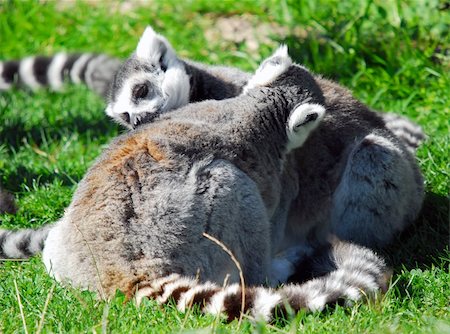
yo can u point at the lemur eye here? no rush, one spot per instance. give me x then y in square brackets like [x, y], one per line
[162, 65]
[140, 91]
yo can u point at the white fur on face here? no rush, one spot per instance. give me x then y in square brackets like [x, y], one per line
[176, 87]
[302, 121]
[171, 88]
[172, 91]
[124, 104]
[270, 69]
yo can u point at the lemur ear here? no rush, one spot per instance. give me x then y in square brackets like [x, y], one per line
[301, 123]
[148, 43]
[270, 69]
[155, 48]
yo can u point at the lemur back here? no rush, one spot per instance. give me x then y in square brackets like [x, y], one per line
[139, 214]
[359, 173]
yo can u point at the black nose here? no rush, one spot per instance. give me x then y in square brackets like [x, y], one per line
[125, 117]
[310, 118]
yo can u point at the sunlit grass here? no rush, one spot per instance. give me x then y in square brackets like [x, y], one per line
[385, 53]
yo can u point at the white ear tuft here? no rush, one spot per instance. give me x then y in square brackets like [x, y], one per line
[148, 43]
[282, 51]
[270, 69]
[302, 121]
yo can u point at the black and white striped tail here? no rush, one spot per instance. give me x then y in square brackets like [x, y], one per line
[357, 273]
[94, 70]
[410, 133]
[22, 244]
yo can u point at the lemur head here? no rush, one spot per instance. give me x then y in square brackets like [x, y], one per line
[300, 90]
[152, 81]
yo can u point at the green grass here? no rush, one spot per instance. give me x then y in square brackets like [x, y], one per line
[386, 53]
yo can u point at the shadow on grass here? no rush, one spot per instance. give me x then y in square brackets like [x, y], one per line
[14, 132]
[27, 176]
[426, 242]
[423, 245]
[94, 129]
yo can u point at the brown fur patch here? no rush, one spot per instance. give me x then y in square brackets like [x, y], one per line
[155, 151]
[180, 128]
[202, 298]
[114, 280]
[130, 148]
[297, 301]
[233, 303]
[176, 293]
[133, 285]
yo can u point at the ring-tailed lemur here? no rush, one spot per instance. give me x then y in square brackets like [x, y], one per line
[356, 174]
[154, 80]
[226, 168]
[360, 199]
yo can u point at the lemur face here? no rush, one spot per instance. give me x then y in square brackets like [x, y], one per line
[152, 81]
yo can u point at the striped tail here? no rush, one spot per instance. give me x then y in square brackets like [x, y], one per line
[22, 244]
[407, 131]
[358, 273]
[94, 70]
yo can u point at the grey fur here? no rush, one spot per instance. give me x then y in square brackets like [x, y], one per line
[156, 211]
[370, 189]
[329, 171]
[381, 199]
[139, 213]
[206, 82]
[408, 132]
[221, 82]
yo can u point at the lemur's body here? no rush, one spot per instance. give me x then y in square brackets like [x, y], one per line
[330, 178]
[221, 167]
[356, 171]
